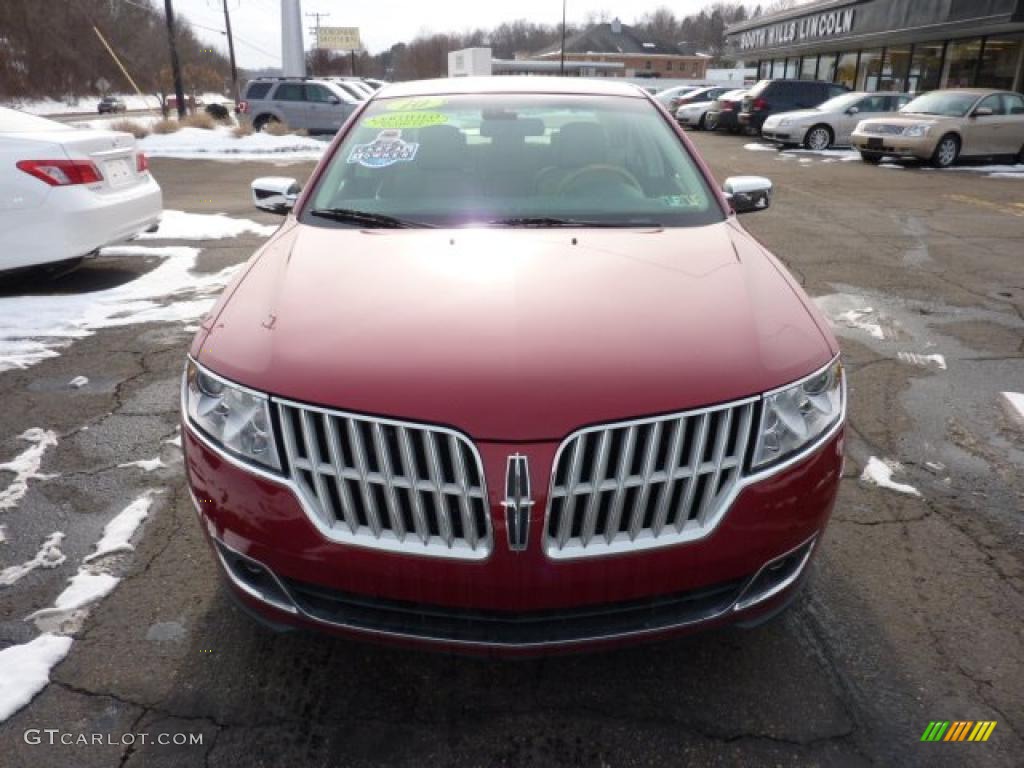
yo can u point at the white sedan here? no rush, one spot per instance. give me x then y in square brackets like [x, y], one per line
[66, 192]
[831, 122]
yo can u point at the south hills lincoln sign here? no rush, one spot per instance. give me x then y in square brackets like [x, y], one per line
[821, 26]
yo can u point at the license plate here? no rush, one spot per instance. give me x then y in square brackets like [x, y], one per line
[874, 143]
[117, 172]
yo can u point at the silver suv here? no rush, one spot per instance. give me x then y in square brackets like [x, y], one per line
[320, 105]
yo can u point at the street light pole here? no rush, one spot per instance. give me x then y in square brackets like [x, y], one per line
[561, 67]
[179, 91]
[231, 53]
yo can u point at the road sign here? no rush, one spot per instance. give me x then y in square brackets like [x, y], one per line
[338, 38]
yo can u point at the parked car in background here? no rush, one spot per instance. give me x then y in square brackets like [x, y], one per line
[692, 110]
[944, 126]
[374, 83]
[319, 105]
[832, 122]
[668, 97]
[558, 476]
[111, 104]
[351, 88]
[722, 113]
[360, 85]
[65, 192]
[769, 97]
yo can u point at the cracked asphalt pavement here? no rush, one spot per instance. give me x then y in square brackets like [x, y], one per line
[914, 611]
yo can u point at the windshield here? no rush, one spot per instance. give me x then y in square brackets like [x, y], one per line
[513, 160]
[840, 103]
[941, 103]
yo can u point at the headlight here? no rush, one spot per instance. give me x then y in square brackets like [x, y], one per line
[916, 130]
[795, 417]
[234, 418]
[783, 122]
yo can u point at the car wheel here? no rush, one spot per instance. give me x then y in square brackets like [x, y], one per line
[819, 138]
[702, 124]
[710, 123]
[871, 157]
[946, 151]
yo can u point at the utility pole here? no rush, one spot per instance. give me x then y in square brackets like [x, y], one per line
[316, 31]
[179, 90]
[561, 66]
[231, 53]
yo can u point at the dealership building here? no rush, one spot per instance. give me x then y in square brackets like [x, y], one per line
[889, 45]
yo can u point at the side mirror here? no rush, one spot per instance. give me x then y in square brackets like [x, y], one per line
[853, 110]
[983, 112]
[334, 100]
[276, 194]
[748, 194]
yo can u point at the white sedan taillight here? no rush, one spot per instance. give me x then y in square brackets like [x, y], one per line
[62, 173]
[141, 162]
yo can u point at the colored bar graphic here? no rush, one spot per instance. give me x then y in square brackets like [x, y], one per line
[958, 730]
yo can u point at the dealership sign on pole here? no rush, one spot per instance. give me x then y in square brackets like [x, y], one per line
[338, 38]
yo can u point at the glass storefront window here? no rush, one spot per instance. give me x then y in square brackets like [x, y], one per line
[894, 69]
[846, 69]
[869, 69]
[961, 61]
[999, 62]
[792, 68]
[809, 68]
[779, 68]
[925, 68]
[764, 70]
[827, 67]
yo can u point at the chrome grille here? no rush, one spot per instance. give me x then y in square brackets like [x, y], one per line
[883, 128]
[646, 483]
[388, 484]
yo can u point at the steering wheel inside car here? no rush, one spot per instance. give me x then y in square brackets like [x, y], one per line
[596, 170]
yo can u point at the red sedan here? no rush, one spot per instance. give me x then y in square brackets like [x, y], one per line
[512, 378]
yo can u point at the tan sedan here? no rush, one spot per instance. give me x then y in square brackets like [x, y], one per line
[943, 126]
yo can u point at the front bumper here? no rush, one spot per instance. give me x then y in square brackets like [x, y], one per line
[921, 147]
[511, 603]
[786, 135]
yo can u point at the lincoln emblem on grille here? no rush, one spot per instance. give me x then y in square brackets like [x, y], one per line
[517, 502]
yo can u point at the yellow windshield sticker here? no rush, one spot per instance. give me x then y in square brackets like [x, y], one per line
[416, 104]
[406, 120]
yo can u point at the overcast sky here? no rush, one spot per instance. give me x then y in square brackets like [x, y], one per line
[257, 23]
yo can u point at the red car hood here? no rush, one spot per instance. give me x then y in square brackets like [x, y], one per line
[515, 334]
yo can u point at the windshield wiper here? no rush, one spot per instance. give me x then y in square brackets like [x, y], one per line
[553, 221]
[366, 217]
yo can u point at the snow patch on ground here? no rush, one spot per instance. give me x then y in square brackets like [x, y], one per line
[755, 146]
[859, 319]
[48, 556]
[879, 472]
[25, 465]
[146, 465]
[118, 532]
[1015, 171]
[914, 358]
[25, 670]
[33, 328]
[3, 533]
[84, 589]
[78, 382]
[1014, 403]
[179, 225]
[221, 144]
[833, 155]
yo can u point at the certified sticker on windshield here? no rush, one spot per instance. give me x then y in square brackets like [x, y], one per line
[406, 120]
[387, 149]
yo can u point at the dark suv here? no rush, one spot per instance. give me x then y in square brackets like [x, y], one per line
[771, 96]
